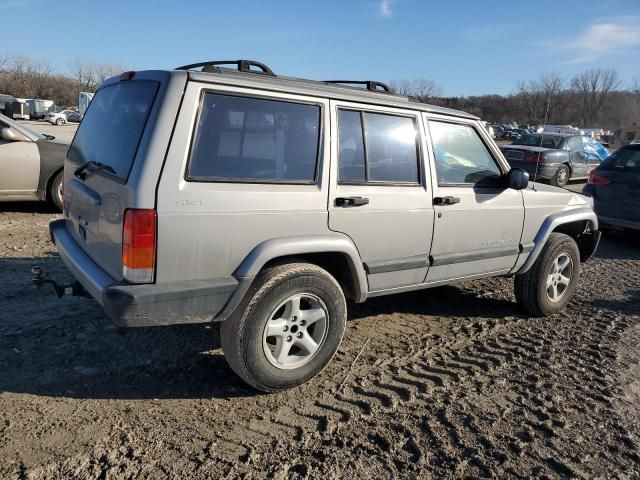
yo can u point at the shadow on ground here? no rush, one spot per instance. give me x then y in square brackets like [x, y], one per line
[69, 348]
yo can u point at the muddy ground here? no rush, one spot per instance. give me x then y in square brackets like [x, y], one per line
[453, 382]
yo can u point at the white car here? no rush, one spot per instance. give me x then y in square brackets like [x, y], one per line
[63, 117]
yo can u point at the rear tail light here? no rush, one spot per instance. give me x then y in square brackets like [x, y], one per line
[534, 157]
[139, 245]
[595, 179]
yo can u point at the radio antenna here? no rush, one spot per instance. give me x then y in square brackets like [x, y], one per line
[546, 113]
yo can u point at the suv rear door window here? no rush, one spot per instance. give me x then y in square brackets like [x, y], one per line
[113, 125]
[377, 148]
[255, 140]
[461, 156]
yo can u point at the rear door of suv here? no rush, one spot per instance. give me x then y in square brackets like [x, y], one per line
[378, 194]
[478, 224]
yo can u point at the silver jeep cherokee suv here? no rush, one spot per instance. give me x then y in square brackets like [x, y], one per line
[211, 193]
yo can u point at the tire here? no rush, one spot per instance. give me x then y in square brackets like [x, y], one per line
[561, 177]
[253, 353]
[60, 121]
[531, 288]
[54, 193]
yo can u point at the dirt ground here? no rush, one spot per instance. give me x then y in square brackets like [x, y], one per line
[453, 382]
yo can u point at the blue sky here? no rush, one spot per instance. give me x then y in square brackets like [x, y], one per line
[467, 47]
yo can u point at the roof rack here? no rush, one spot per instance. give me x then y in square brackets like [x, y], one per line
[371, 85]
[242, 66]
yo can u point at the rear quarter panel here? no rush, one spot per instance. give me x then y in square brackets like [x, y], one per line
[205, 230]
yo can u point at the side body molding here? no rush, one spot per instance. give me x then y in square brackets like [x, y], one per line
[551, 223]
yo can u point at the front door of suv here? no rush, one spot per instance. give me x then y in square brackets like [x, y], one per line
[478, 222]
[378, 192]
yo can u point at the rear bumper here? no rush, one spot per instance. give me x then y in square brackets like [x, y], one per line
[190, 301]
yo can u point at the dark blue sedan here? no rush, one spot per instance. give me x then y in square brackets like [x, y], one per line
[615, 188]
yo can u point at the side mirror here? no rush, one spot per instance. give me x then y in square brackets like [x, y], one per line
[517, 179]
[12, 135]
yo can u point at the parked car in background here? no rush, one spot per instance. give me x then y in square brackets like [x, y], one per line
[615, 188]
[64, 117]
[499, 131]
[30, 164]
[557, 158]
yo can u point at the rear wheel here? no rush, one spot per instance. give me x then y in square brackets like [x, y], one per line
[561, 178]
[60, 121]
[288, 328]
[54, 194]
[549, 284]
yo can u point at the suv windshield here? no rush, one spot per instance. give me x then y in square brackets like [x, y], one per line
[112, 127]
[545, 141]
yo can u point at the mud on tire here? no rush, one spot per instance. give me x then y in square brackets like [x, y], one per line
[267, 309]
[532, 289]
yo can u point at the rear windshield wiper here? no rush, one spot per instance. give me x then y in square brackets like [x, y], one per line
[93, 165]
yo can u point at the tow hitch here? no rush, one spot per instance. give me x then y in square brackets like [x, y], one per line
[38, 279]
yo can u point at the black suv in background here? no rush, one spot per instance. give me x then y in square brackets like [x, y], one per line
[615, 188]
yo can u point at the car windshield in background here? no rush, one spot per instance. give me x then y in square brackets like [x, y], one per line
[544, 141]
[112, 127]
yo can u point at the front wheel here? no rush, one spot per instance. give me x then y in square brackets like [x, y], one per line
[60, 121]
[288, 328]
[549, 284]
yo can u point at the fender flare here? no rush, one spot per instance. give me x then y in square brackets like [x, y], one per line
[550, 224]
[292, 246]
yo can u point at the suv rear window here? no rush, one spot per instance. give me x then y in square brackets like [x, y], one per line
[113, 125]
[255, 140]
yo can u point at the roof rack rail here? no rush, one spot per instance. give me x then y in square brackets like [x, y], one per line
[242, 65]
[371, 85]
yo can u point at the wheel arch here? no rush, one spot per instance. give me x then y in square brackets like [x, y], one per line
[581, 224]
[335, 253]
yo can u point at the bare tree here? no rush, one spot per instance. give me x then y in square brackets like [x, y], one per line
[90, 75]
[592, 89]
[544, 98]
[421, 89]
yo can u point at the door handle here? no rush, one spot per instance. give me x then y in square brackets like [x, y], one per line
[446, 200]
[351, 201]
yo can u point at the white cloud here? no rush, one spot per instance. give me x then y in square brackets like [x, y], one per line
[603, 38]
[384, 8]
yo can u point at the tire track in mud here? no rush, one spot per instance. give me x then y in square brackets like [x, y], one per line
[416, 385]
